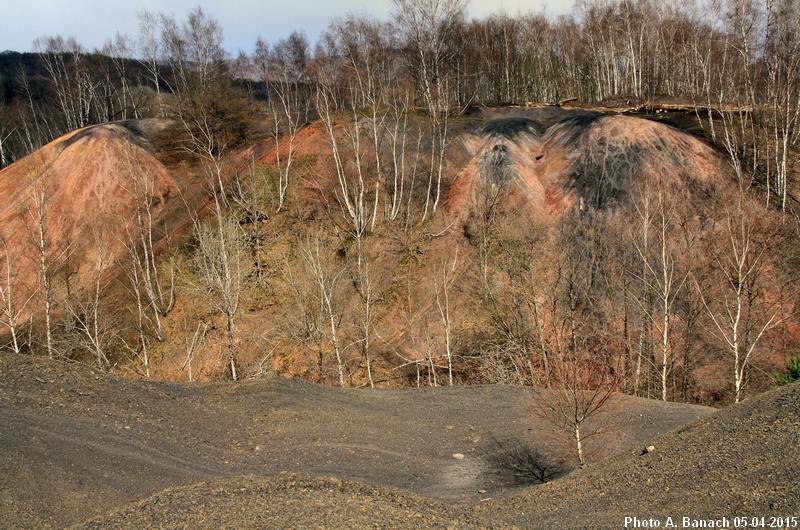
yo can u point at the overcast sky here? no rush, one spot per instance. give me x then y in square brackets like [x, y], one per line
[94, 21]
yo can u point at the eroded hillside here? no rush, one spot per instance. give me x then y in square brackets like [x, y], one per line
[390, 260]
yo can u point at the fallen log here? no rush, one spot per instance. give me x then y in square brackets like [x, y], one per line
[670, 107]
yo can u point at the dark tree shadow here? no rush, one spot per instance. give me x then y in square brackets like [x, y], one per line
[514, 463]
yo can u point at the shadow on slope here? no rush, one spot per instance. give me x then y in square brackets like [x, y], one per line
[742, 461]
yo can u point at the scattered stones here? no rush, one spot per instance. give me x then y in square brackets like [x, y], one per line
[458, 456]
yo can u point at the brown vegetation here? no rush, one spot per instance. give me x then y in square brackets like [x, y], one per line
[353, 218]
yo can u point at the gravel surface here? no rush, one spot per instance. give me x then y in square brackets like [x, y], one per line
[742, 461]
[77, 444]
[285, 501]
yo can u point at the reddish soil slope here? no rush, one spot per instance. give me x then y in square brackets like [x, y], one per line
[88, 181]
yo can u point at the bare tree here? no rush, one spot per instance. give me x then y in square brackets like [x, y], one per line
[12, 310]
[782, 113]
[304, 314]
[87, 308]
[38, 216]
[660, 276]
[218, 262]
[150, 51]
[157, 283]
[641, 277]
[582, 386]
[135, 281]
[191, 346]
[284, 73]
[428, 27]
[364, 47]
[326, 278]
[251, 193]
[739, 310]
[367, 293]
[399, 130]
[442, 283]
[353, 188]
[211, 114]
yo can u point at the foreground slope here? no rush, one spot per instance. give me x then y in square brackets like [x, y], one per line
[741, 462]
[77, 444]
[286, 501]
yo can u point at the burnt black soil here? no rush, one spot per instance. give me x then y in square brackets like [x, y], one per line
[511, 127]
[77, 445]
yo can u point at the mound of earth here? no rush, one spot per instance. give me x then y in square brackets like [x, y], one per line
[545, 160]
[285, 501]
[88, 182]
[78, 444]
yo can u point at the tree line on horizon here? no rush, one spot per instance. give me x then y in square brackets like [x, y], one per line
[743, 54]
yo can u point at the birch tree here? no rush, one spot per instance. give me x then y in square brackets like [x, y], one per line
[737, 304]
[88, 309]
[38, 217]
[13, 310]
[662, 277]
[150, 52]
[155, 281]
[442, 285]
[283, 71]
[428, 26]
[326, 277]
[581, 389]
[218, 262]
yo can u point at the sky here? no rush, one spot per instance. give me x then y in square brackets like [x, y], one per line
[92, 22]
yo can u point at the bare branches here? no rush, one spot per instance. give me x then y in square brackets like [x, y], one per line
[218, 262]
[326, 277]
[283, 70]
[38, 215]
[191, 347]
[87, 309]
[741, 313]
[583, 385]
[659, 275]
[442, 282]
[12, 311]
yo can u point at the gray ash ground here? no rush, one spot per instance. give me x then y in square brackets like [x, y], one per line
[77, 445]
